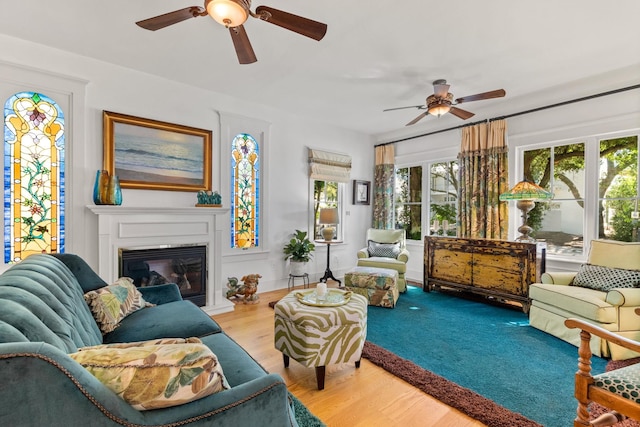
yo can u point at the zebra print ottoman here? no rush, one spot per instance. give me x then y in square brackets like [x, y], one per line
[320, 336]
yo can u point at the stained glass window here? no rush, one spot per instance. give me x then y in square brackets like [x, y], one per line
[34, 182]
[245, 192]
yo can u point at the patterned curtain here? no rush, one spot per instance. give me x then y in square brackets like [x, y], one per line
[383, 184]
[483, 172]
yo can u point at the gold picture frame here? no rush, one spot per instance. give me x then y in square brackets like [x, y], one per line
[154, 155]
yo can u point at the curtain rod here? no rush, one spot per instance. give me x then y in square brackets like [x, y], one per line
[533, 110]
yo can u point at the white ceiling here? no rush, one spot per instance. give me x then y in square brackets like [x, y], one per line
[376, 54]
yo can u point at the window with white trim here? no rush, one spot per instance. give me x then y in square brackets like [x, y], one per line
[328, 172]
[326, 194]
[594, 181]
[443, 198]
[431, 200]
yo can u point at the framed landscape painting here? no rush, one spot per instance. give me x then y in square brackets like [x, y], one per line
[154, 155]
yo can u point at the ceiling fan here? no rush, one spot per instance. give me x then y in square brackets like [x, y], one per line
[441, 102]
[232, 14]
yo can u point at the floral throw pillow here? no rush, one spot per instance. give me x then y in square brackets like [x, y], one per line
[387, 250]
[113, 303]
[605, 278]
[155, 376]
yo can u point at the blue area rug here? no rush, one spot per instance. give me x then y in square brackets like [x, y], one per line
[488, 349]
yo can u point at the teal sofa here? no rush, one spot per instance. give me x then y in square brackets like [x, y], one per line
[43, 318]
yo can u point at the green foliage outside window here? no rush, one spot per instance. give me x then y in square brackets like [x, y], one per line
[618, 194]
[408, 201]
[619, 188]
[325, 195]
[443, 213]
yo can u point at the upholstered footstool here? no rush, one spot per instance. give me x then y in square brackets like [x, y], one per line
[317, 336]
[378, 285]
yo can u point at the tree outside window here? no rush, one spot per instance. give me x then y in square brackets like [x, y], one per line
[562, 170]
[408, 201]
[618, 189]
[559, 222]
[443, 198]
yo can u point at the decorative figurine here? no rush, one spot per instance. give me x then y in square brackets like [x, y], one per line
[247, 291]
[209, 198]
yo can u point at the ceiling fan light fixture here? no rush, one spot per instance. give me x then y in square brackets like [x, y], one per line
[230, 13]
[437, 106]
[439, 109]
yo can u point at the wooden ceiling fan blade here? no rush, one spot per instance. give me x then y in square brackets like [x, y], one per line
[485, 95]
[307, 27]
[463, 114]
[243, 47]
[417, 119]
[161, 21]
[422, 107]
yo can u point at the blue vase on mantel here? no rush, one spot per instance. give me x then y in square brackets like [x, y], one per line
[106, 189]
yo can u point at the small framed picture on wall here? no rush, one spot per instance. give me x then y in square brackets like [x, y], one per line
[361, 192]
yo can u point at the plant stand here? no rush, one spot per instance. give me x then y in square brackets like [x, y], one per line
[327, 273]
[292, 281]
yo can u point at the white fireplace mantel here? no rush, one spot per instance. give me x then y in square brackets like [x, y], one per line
[146, 227]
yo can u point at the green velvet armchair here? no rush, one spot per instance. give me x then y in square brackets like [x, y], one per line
[386, 249]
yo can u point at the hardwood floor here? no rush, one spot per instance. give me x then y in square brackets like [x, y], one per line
[364, 397]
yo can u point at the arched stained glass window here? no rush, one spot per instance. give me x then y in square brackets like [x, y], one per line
[245, 192]
[33, 176]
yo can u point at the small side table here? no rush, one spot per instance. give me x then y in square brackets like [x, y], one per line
[327, 273]
[292, 281]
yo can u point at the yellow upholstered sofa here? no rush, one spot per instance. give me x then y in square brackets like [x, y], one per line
[604, 292]
[386, 249]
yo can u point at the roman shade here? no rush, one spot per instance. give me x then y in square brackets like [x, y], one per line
[327, 166]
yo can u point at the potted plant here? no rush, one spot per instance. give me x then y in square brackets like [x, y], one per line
[298, 251]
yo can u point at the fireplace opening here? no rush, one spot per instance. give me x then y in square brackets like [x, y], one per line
[182, 265]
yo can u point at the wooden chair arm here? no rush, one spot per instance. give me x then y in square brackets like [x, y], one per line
[572, 323]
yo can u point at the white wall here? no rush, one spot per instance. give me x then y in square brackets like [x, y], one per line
[608, 114]
[113, 88]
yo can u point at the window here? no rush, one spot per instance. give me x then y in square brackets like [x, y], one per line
[559, 222]
[34, 187]
[443, 198]
[618, 189]
[328, 172]
[408, 201]
[588, 202]
[326, 194]
[245, 192]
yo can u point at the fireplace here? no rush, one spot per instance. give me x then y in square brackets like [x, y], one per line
[184, 265]
[143, 228]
